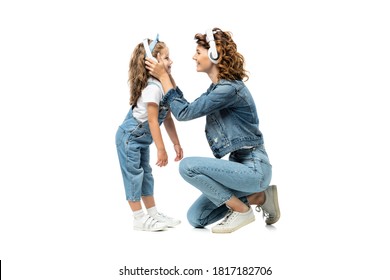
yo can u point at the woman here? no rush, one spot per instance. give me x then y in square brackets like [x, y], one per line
[229, 187]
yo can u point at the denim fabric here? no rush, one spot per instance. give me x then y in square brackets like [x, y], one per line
[247, 171]
[231, 117]
[133, 139]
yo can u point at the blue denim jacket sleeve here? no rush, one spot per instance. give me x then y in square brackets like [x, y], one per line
[217, 97]
[231, 115]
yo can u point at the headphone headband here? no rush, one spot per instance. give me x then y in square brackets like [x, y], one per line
[149, 48]
[213, 54]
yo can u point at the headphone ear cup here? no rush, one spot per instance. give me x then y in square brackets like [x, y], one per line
[212, 59]
[212, 52]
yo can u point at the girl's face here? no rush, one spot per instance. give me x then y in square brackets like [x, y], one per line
[164, 56]
[203, 63]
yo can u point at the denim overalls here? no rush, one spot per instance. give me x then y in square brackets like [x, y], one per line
[133, 139]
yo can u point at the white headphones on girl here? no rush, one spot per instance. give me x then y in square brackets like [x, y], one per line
[212, 52]
[149, 49]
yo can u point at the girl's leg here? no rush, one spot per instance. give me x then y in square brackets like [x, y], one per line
[148, 190]
[135, 205]
[148, 201]
[129, 159]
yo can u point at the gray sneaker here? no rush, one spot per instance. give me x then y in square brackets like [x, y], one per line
[270, 208]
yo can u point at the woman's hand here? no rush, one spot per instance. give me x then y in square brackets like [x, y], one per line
[156, 69]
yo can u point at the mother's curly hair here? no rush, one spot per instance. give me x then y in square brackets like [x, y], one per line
[230, 61]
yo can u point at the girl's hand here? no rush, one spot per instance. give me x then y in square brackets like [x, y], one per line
[179, 152]
[162, 158]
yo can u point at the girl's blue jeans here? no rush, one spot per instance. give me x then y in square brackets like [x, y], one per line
[133, 140]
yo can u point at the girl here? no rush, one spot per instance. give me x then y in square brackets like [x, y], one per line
[137, 132]
[230, 186]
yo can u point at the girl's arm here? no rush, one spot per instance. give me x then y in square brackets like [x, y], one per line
[171, 130]
[162, 156]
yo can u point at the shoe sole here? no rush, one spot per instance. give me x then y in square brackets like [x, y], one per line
[276, 203]
[173, 225]
[150, 229]
[233, 229]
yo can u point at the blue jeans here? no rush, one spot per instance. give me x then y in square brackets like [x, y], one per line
[246, 172]
[133, 140]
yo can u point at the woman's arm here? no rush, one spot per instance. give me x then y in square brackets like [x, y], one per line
[162, 156]
[171, 130]
[217, 97]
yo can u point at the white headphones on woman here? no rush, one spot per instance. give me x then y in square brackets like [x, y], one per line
[213, 54]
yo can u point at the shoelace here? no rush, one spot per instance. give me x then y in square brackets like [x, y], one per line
[227, 217]
[258, 208]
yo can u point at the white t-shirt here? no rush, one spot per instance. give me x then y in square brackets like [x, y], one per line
[152, 93]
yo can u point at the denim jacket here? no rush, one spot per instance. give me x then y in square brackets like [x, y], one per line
[231, 117]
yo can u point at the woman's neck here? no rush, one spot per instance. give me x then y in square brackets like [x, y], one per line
[213, 75]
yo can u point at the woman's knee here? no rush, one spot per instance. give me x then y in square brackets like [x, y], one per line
[193, 219]
[186, 167]
[183, 166]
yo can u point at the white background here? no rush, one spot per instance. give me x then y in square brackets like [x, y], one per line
[319, 72]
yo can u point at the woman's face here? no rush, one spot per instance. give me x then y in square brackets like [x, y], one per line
[164, 56]
[203, 63]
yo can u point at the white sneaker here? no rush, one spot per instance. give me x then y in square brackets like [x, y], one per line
[169, 221]
[148, 223]
[233, 221]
